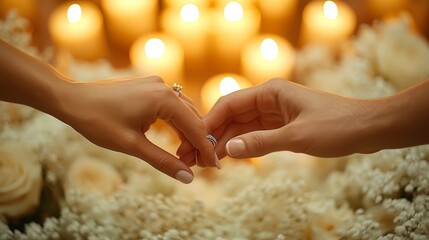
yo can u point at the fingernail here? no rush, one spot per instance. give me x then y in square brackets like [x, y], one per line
[217, 162]
[235, 147]
[184, 176]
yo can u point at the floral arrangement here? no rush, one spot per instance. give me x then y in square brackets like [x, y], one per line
[55, 184]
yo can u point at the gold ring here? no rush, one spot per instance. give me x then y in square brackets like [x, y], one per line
[177, 88]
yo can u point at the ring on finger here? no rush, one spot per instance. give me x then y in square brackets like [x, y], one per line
[212, 139]
[177, 88]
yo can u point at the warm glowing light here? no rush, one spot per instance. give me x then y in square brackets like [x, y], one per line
[189, 13]
[269, 49]
[330, 10]
[228, 85]
[154, 48]
[74, 13]
[233, 11]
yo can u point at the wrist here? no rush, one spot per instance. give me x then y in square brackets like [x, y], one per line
[56, 97]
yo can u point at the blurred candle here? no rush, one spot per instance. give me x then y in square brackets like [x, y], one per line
[233, 27]
[267, 57]
[78, 29]
[189, 25]
[221, 85]
[158, 54]
[327, 23]
[126, 20]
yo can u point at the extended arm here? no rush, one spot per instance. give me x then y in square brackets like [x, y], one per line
[113, 114]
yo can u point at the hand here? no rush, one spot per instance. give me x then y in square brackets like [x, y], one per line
[115, 114]
[280, 115]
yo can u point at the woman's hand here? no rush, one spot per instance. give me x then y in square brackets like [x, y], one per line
[115, 114]
[280, 115]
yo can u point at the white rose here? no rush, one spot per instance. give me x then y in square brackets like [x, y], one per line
[90, 174]
[20, 179]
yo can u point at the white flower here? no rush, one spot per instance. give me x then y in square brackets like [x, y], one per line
[402, 56]
[89, 174]
[20, 181]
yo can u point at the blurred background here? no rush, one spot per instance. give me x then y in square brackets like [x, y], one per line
[212, 47]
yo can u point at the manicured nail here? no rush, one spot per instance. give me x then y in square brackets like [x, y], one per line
[217, 162]
[235, 147]
[184, 176]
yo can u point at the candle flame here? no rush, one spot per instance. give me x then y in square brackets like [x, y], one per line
[228, 85]
[189, 13]
[233, 11]
[74, 13]
[154, 48]
[269, 49]
[330, 10]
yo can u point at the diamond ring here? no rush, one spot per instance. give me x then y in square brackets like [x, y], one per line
[177, 88]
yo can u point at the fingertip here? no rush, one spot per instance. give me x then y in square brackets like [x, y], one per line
[235, 148]
[184, 176]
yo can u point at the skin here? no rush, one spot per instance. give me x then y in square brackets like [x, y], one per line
[114, 114]
[280, 115]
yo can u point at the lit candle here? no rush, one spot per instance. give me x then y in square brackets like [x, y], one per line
[327, 23]
[126, 20]
[158, 54]
[189, 26]
[78, 29]
[221, 85]
[233, 27]
[267, 57]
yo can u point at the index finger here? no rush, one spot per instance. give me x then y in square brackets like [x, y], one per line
[229, 106]
[191, 126]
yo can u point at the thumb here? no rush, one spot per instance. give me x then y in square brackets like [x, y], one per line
[255, 144]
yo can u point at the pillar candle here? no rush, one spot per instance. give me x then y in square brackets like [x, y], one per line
[158, 54]
[221, 85]
[78, 29]
[126, 20]
[327, 22]
[266, 57]
[188, 25]
[233, 26]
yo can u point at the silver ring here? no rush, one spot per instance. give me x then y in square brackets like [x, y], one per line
[177, 88]
[212, 139]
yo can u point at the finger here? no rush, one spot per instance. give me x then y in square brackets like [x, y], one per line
[193, 108]
[162, 160]
[229, 106]
[188, 158]
[257, 143]
[223, 135]
[191, 126]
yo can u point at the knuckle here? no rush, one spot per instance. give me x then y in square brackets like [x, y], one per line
[257, 143]
[127, 143]
[157, 78]
[162, 163]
